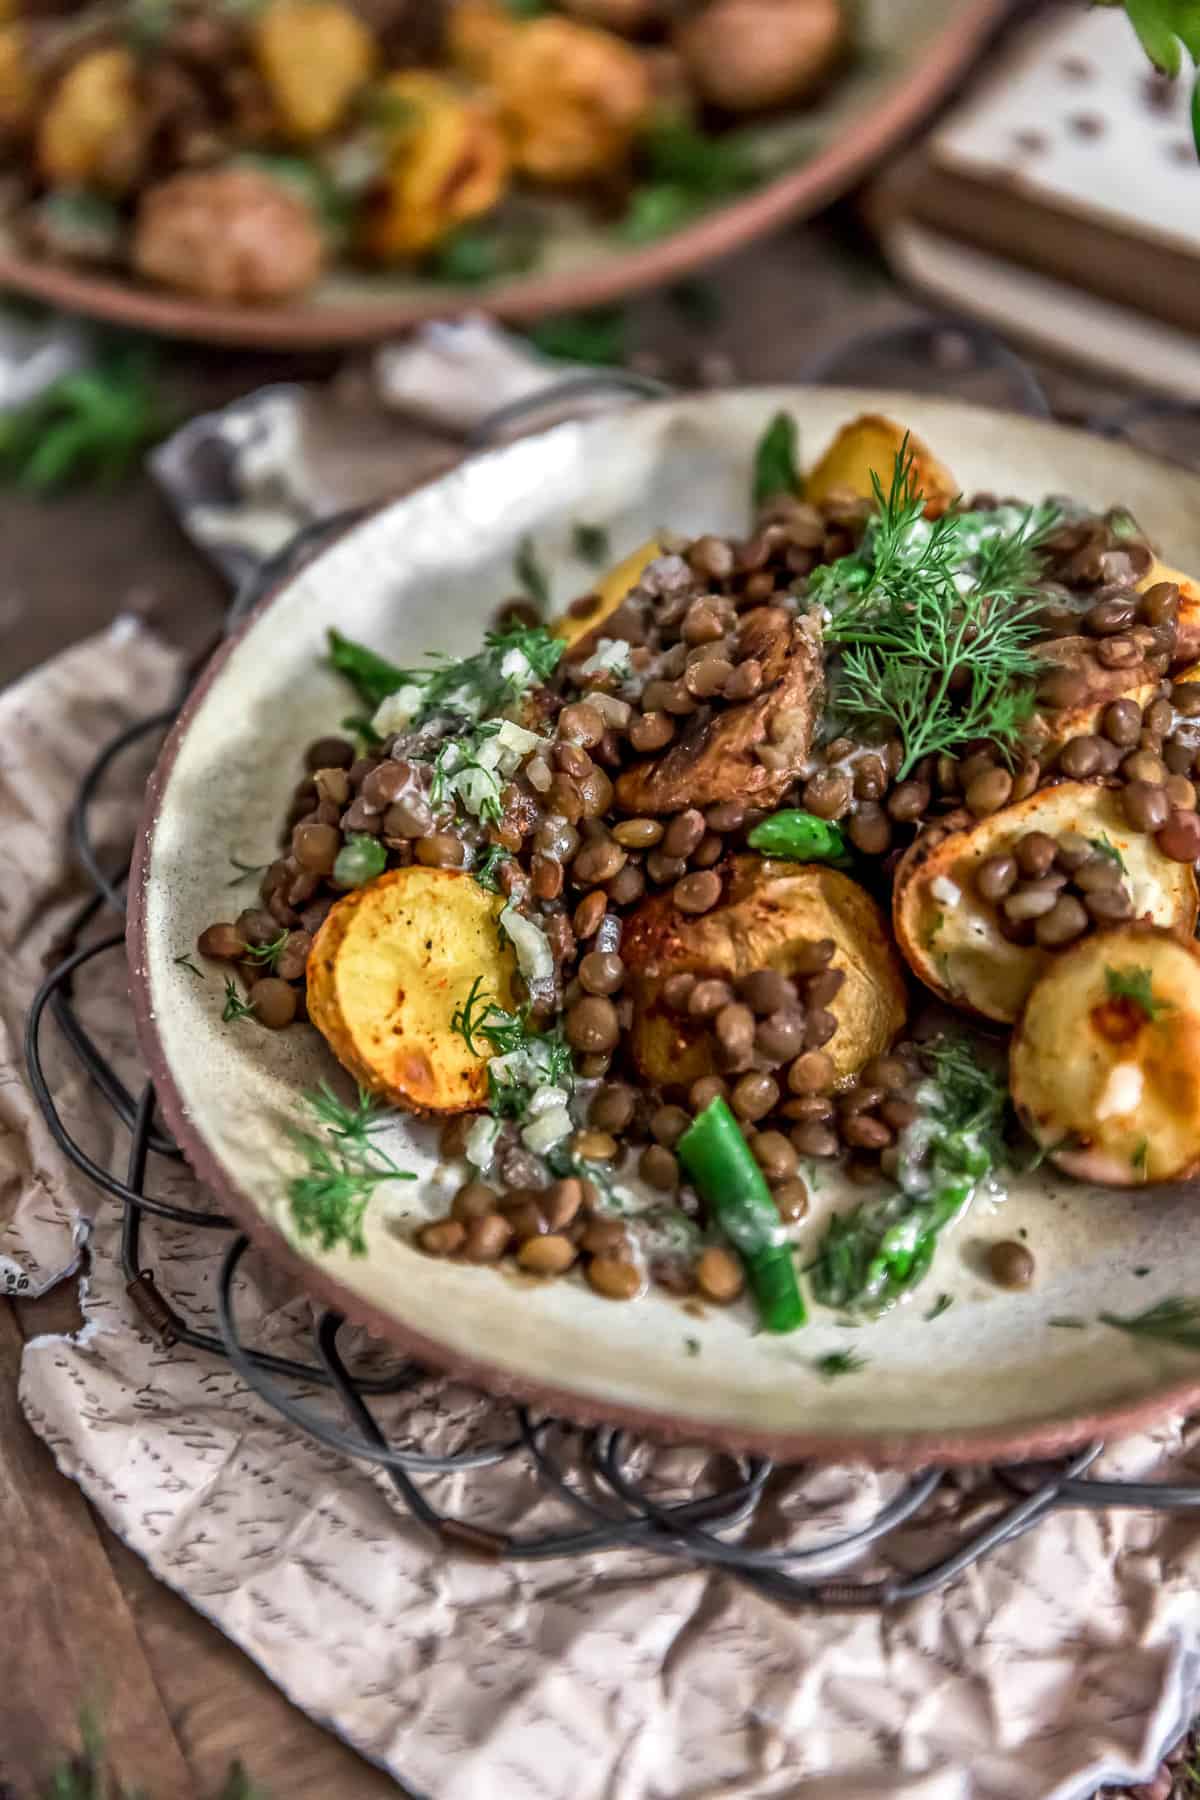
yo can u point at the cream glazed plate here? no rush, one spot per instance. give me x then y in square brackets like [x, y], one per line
[993, 1376]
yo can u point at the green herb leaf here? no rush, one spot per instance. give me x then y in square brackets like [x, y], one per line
[1136, 986]
[776, 460]
[907, 632]
[839, 1362]
[874, 1255]
[1138, 1155]
[1068, 1324]
[343, 1167]
[268, 954]
[1171, 1321]
[591, 544]
[692, 1346]
[373, 677]
[942, 1304]
[91, 425]
[485, 870]
[235, 1006]
[185, 962]
[531, 575]
[1104, 846]
[476, 254]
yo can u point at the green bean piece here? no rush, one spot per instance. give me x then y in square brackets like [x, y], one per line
[799, 835]
[719, 1161]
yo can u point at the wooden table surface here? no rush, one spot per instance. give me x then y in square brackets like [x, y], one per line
[83, 1622]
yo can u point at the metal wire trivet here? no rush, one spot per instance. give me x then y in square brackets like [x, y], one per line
[613, 1507]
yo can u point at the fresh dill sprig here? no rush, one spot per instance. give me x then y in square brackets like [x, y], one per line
[512, 660]
[185, 962]
[268, 954]
[941, 659]
[1170, 1321]
[244, 871]
[545, 1058]
[1136, 985]
[531, 575]
[839, 1362]
[480, 1015]
[235, 1007]
[343, 1168]
[489, 862]
[1104, 846]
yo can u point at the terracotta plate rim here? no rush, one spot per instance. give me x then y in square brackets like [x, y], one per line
[717, 234]
[902, 1450]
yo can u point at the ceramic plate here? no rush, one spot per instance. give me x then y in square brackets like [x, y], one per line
[914, 51]
[990, 1377]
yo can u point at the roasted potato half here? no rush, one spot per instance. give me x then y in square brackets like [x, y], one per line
[583, 630]
[447, 162]
[388, 968]
[748, 55]
[949, 935]
[93, 131]
[718, 758]
[1076, 688]
[1187, 640]
[571, 99]
[870, 445]
[314, 56]
[1105, 1062]
[767, 911]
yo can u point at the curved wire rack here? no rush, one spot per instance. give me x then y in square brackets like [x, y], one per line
[607, 1505]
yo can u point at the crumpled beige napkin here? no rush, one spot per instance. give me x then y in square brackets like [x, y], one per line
[1066, 1659]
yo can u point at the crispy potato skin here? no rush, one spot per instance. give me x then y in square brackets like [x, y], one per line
[869, 445]
[314, 55]
[1117, 1092]
[92, 132]
[767, 910]
[1187, 639]
[571, 98]
[748, 55]
[583, 634]
[959, 952]
[447, 164]
[1053, 726]
[713, 758]
[388, 968]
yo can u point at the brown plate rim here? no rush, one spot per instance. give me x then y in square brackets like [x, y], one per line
[715, 235]
[902, 1450]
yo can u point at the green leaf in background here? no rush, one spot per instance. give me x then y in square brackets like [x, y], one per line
[777, 460]
[479, 253]
[598, 336]
[94, 425]
[1163, 26]
[686, 170]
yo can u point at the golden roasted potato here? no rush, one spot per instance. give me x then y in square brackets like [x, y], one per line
[749, 55]
[583, 630]
[1187, 640]
[1076, 689]
[476, 30]
[717, 758]
[230, 233]
[1104, 1064]
[571, 99]
[948, 934]
[388, 968]
[314, 56]
[447, 163]
[870, 445]
[767, 912]
[93, 132]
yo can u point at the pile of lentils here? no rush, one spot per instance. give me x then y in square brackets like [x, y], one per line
[578, 864]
